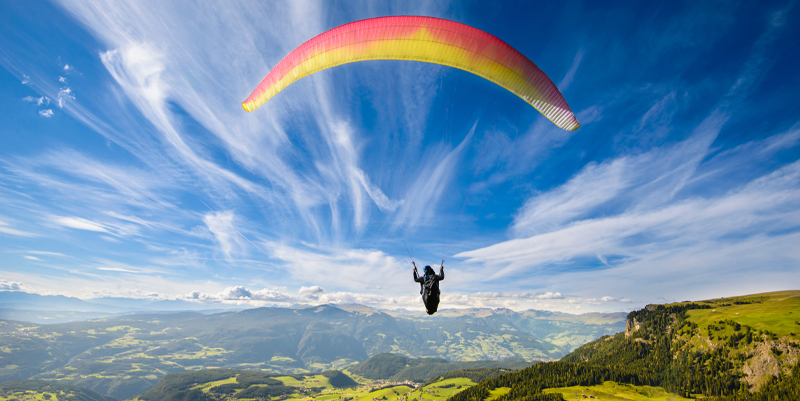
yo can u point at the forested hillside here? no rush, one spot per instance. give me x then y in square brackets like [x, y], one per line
[731, 348]
[221, 384]
[400, 368]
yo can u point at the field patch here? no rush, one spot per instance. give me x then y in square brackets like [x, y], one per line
[615, 391]
[497, 393]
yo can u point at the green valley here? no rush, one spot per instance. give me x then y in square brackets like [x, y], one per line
[127, 355]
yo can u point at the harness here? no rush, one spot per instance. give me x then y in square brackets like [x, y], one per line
[430, 286]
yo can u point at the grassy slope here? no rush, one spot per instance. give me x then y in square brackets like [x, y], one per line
[614, 391]
[770, 317]
[437, 391]
[324, 391]
[776, 312]
[754, 337]
[204, 387]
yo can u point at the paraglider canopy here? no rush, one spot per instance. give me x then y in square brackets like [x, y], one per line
[425, 39]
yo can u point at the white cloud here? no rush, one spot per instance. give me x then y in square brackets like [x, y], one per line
[550, 295]
[46, 253]
[25, 79]
[78, 223]
[31, 258]
[344, 268]
[138, 69]
[694, 239]
[64, 94]
[240, 293]
[233, 293]
[119, 184]
[222, 226]
[46, 113]
[593, 186]
[38, 100]
[10, 285]
[640, 182]
[565, 82]
[306, 295]
[119, 269]
[63, 80]
[313, 290]
[423, 194]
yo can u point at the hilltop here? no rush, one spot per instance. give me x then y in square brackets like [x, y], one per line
[729, 348]
[751, 338]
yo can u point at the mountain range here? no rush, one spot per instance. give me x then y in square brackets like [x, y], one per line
[125, 354]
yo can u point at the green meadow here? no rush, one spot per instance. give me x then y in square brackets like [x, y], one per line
[615, 391]
[776, 312]
[438, 391]
[30, 395]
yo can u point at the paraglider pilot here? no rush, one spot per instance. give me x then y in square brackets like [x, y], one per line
[429, 287]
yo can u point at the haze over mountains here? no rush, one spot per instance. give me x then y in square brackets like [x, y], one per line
[23, 301]
[123, 353]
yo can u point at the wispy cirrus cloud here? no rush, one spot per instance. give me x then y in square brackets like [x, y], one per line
[119, 269]
[222, 226]
[635, 209]
[738, 219]
[78, 223]
[45, 253]
[353, 269]
[6, 229]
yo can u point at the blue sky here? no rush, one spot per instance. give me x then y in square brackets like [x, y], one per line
[128, 167]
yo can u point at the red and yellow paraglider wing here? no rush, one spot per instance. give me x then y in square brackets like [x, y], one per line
[426, 39]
